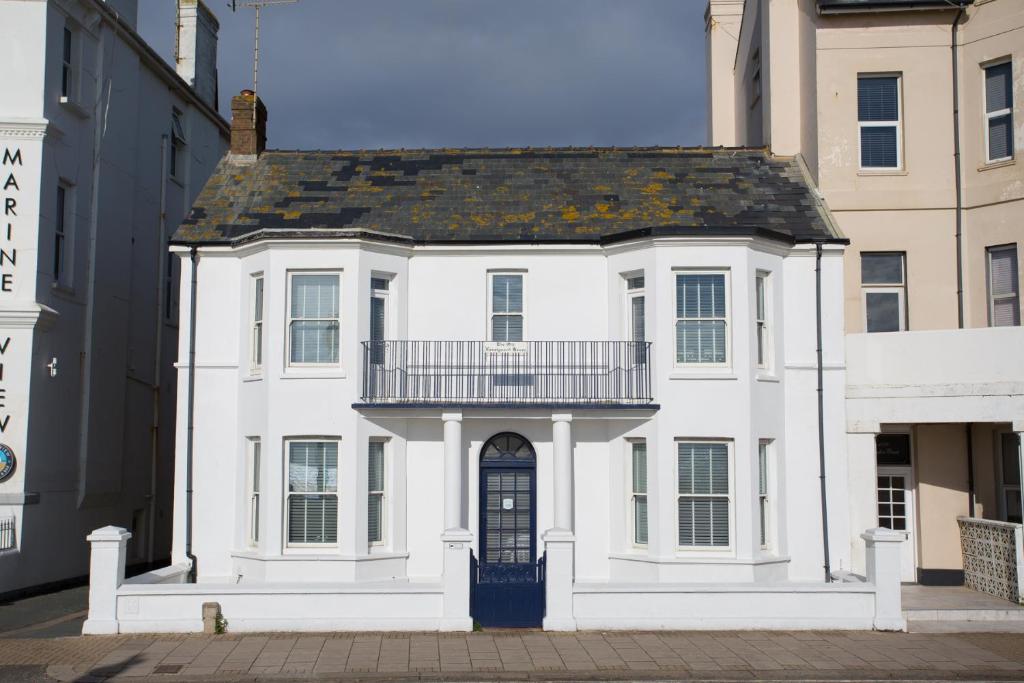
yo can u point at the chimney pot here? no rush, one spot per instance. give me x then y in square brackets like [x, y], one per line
[248, 136]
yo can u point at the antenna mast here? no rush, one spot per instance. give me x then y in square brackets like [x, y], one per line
[257, 5]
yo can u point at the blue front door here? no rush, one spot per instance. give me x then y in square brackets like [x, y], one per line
[508, 586]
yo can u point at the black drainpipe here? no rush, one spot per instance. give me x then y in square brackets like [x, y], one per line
[821, 415]
[956, 174]
[191, 416]
[970, 467]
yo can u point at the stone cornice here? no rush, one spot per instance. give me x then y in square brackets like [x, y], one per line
[27, 316]
[26, 129]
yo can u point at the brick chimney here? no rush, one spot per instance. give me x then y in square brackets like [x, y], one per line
[248, 137]
[196, 53]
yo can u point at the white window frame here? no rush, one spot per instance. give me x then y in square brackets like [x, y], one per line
[258, 316]
[988, 116]
[725, 272]
[288, 544]
[886, 288]
[253, 489]
[731, 498]
[178, 144]
[289, 320]
[490, 301]
[382, 493]
[763, 320]
[992, 298]
[765, 499]
[898, 123]
[385, 295]
[632, 495]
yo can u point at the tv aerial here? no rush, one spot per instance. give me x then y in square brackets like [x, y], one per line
[256, 5]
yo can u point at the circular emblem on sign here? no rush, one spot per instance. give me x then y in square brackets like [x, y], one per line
[7, 461]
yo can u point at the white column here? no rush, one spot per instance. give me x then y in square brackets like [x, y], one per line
[559, 542]
[456, 541]
[452, 470]
[883, 570]
[106, 574]
[562, 446]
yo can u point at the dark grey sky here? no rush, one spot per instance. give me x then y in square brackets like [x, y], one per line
[464, 73]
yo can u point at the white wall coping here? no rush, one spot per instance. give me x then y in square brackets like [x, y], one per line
[150, 589]
[591, 587]
[700, 560]
[300, 557]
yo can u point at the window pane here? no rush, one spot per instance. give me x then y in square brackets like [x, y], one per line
[507, 292]
[315, 296]
[375, 517]
[703, 522]
[640, 519]
[759, 296]
[881, 268]
[700, 295]
[878, 147]
[998, 87]
[637, 309]
[640, 468]
[762, 469]
[883, 311]
[635, 282]
[314, 341]
[703, 468]
[1000, 137]
[379, 283]
[312, 519]
[257, 300]
[375, 475]
[878, 99]
[507, 328]
[377, 318]
[700, 342]
[312, 467]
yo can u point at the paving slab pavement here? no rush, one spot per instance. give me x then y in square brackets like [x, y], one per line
[518, 655]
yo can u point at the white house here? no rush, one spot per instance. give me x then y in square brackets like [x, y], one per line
[577, 388]
[103, 148]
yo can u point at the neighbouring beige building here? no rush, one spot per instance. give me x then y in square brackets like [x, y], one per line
[863, 90]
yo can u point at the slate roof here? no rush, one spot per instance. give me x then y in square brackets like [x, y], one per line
[507, 195]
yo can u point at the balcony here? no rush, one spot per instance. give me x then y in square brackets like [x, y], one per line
[592, 374]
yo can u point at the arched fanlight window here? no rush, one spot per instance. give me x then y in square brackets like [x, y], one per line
[507, 448]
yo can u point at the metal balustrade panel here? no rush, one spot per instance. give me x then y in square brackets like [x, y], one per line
[536, 372]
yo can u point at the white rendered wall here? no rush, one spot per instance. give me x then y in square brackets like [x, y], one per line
[571, 293]
[83, 438]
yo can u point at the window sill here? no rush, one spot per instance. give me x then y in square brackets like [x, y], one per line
[253, 378]
[310, 373]
[868, 172]
[767, 377]
[290, 555]
[725, 374]
[74, 107]
[681, 557]
[63, 291]
[1002, 163]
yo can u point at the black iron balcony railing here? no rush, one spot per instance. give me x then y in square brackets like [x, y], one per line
[535, 372]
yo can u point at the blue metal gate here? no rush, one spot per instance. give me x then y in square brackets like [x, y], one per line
[508, 579]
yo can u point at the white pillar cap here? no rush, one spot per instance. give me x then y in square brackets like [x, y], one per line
[881, 535]
[109, 533]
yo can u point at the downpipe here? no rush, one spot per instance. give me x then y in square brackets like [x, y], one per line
[957, 174]
[821, 415]
[190, 420]
[157, 358]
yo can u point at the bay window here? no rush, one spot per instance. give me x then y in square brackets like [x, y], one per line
[638, 492]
